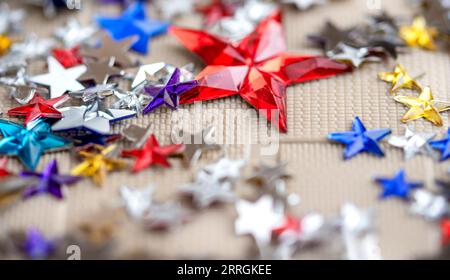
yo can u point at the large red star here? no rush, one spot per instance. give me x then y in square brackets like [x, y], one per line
[3, 171]
[68, 57]
[38, 107]
[258, 68]
[151, 154]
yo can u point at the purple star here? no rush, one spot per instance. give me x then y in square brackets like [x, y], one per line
[168, 94]
[36, 246]
[49, 181]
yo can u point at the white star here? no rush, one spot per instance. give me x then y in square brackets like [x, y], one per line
[357, 56]
[432, 207]
[224, 169]
[414, 143]
[60, 79]
[137, 201]
[257, 219]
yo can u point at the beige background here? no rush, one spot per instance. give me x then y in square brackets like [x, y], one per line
[320, 176]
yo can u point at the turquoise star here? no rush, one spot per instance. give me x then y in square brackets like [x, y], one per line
[133, 22]
[28, 143]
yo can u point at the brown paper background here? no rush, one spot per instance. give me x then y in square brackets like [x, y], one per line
[320, 176]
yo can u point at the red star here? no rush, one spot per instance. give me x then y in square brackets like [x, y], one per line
[258, 69]
[38, 107]
[290, 224]
[151, 154]
[216, 10]
[3, 171]
[445, 231]
[68, 57]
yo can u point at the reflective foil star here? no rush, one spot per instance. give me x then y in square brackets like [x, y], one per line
[397, 186]
[419, 34]
[160, 73]
[36, 246]
[91, 118]
[73, 34]
[258, 69]
[166, 216]
[429, 205]
[331, 36]
[39, 107]
[49, 181]
[414, 143]
[354, 56]
[137, 201]
[10, 20]
[205, 193]
[257, 219]
[94, 94]
[358, 233]
[443, 146]
[68, 57]
[424, 106]
[151, 154]
[360, 140]
[225, 169]
[134, 21]
[28, 143]
[134, 99]
[59, 79]
[98, 163]
[168, 94]
[400, 79]
[100, 71]
[32, 47]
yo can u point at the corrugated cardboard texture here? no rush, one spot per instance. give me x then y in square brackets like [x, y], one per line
[320, 176]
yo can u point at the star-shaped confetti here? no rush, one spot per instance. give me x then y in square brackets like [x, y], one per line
[49, 181]
[137, 201]
[257, 219]
[151, 154]
[360, 139]
[429, 205]
[419, 34]
[73, 34]
[39, 107]
[32, 47]
[137, 134]
[59, 79]
[166, 216]
[98, 163]
[225, 169]
[68, 57]
[204, 193]
[414, 143]
[100, 71]
[134, 99]
[28, 143]
[331, 36]
[168, 94]
[353, 55]
[37, 246]
[400, 79]
[258, 69]
[132, 22]
[266, 175]
[424, 106]
[397, 186]
[110, 48]
[443, 146]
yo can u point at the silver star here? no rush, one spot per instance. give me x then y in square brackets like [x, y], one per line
[94, 93]
[165, 216]
[19, 87]
[100, 71]
[137, 134]
[428, 205]
[266, 174]
[73, 34]
[60, 79]
[32, 47]
[356, 56]
[195, 144]
[174, 8]
[223, 170]
[207, 192]
[358, 233]
[97, 121]
[10, 20]
[137, 201]
[257, 219]
[135, 99]
[414, 143]
[159, 73]
[304, 4]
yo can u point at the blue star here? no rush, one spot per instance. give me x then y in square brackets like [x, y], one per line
[360, 140]
[443, 146]
[397, 186]
[28, 143]
[132, 22]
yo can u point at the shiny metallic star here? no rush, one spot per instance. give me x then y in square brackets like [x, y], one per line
[429, 205]
[138, 135]
[100, 71]
[137, 201]
[94, 93]
[134, 99]
[355, 56]
[206, 192]
[257, 219]
[414, 143]
[225, 169]
[159, 73]
[165, 216]
[266, 174]
[60, 79]
[32, 47]
[74, 34]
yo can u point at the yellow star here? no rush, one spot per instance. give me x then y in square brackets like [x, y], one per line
[425, 106]
[399, 79]
[419, 34]
[96, 164]
[5, 44]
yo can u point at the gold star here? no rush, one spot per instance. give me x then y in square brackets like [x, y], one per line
[419, 34]
[97, 163]
[399, 79]
[5, 44]
[425, 106]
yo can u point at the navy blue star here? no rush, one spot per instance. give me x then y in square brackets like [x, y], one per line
[397, 186]
[360, 140]
[443, 146]
[133, 22]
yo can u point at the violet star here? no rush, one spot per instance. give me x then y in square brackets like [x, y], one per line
[168, 94]
[49, 181]
[36, 246]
